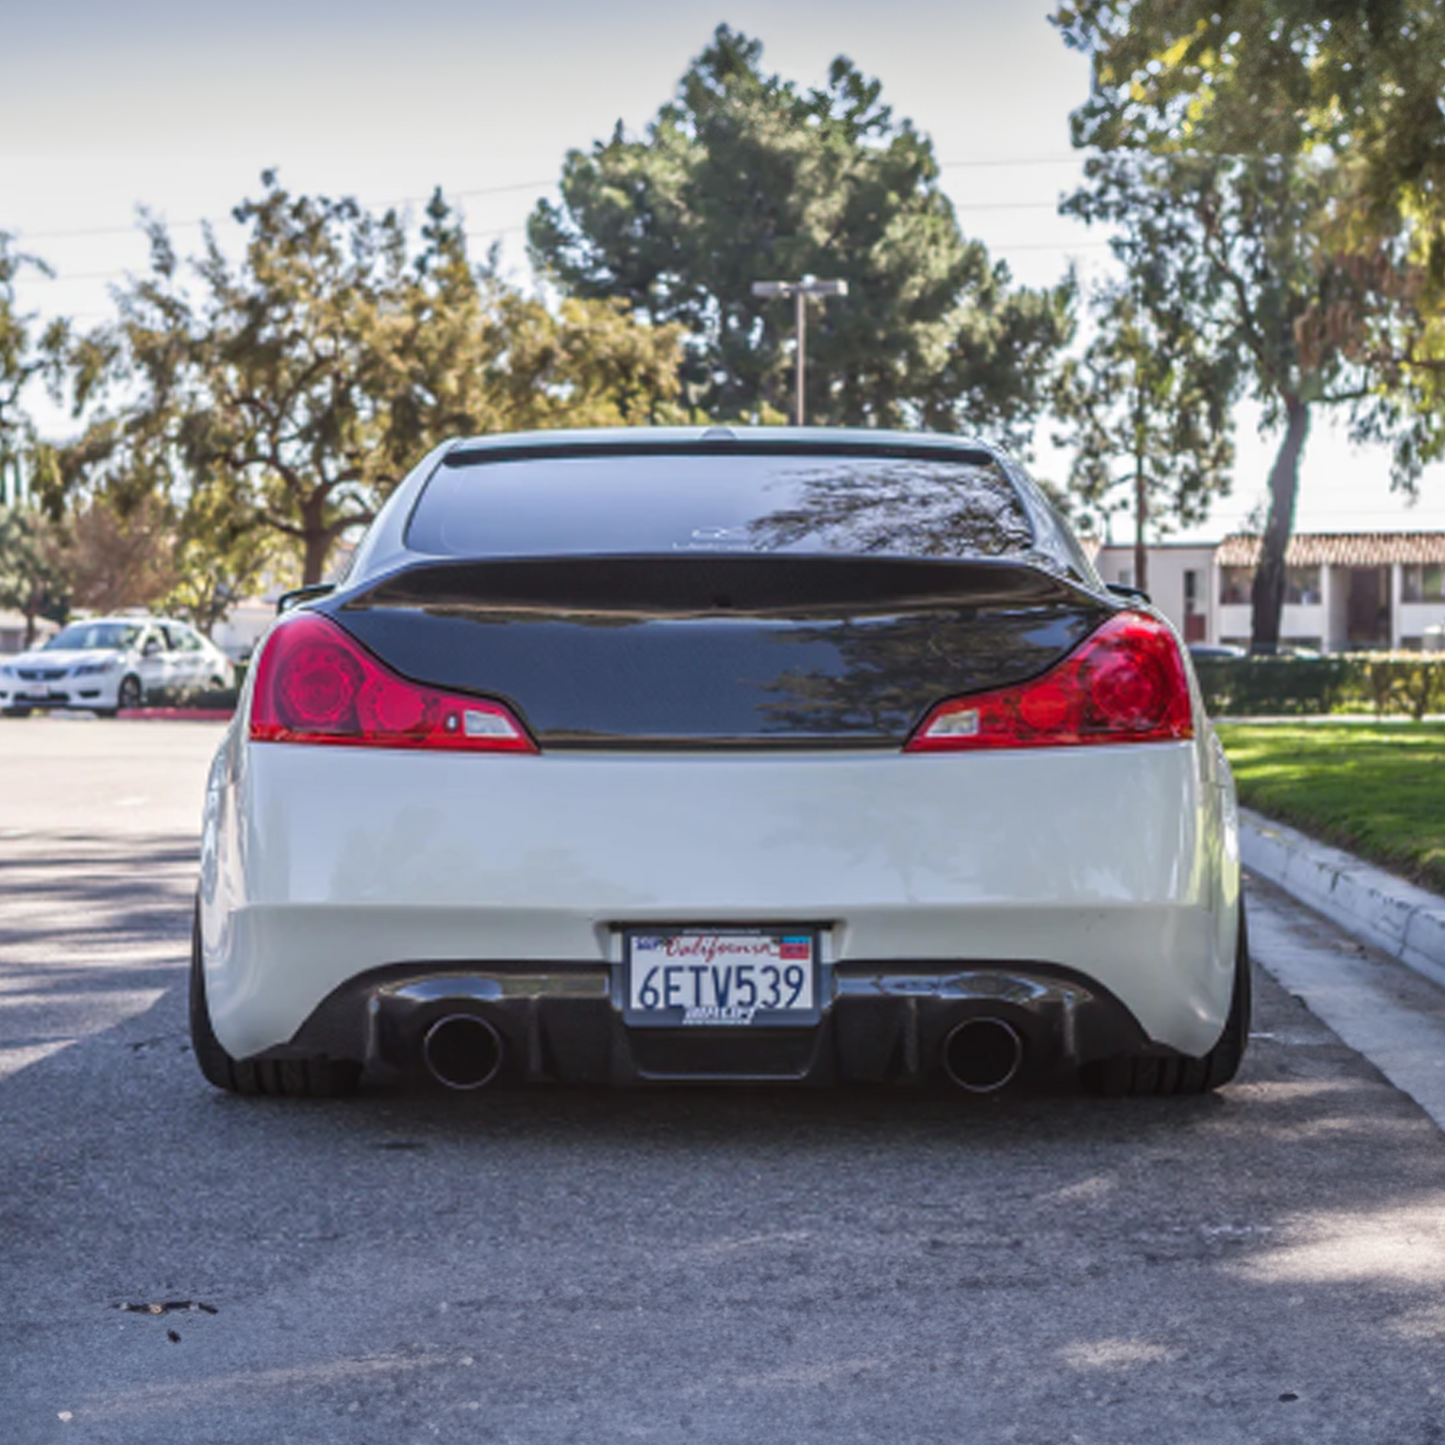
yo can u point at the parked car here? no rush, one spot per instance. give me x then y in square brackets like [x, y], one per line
[728, 755]
[1216, 651]
[107, 663]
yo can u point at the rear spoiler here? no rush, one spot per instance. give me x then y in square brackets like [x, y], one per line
[297, 595]
[708, 584]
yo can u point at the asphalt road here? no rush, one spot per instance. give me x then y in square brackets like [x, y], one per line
[559, 1265]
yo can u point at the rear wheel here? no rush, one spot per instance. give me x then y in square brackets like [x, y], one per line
[314, 1078]
[1132, 1075]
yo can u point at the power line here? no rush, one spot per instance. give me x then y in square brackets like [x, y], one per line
[1073, 160]
[116, 275]
[1005, 206]
[1050, 246]
[514, 186]
[28, 236]
[133, 229]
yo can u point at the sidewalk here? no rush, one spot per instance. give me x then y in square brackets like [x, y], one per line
[1327, 719]
[1404, 921]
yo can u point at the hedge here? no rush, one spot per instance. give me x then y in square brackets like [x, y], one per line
[1378, 682]
[200, 697]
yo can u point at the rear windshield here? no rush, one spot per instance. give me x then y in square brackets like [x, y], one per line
[645, 504]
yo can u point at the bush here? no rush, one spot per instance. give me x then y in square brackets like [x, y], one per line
[1385, 682]
[1272, 686]
[196, 697]
[1407, 682]
[200, 697]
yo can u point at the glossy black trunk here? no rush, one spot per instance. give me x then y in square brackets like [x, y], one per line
[720, 650]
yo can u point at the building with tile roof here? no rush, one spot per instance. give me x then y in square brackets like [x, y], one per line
[1344, 591]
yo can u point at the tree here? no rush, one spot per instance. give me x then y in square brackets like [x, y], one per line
[23, 356]
[286, 393]
[745, 177]
[32, 575]
[31, 580]
[1353, 81]
[114, 559]
[1407, 347]
[1146, 407]
[220, 558]
[1254, 263]
[1271, 78]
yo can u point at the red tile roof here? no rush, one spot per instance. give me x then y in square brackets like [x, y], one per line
[1339, 549]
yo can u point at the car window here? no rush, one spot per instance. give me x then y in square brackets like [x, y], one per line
[183, 638]
[658, 503]
[97, 636]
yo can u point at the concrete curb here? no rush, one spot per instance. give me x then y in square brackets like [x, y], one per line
[1396, 917]
[176, 714]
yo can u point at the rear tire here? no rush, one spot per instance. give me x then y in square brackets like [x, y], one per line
[1136, 1075]
[315, 1078]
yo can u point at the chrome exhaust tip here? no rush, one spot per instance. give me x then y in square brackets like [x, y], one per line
[981, 1055]
[462, 1051]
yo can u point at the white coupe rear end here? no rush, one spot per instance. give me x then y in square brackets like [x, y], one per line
[805, 756]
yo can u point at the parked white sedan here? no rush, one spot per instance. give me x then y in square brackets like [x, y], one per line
[727, 755]
[108, 663]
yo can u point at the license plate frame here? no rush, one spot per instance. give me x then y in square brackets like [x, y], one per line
[646, 949]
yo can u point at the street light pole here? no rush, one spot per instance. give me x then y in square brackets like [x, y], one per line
[800, 291]
[800, 328]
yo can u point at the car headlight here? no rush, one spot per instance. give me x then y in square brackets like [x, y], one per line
[90, 669]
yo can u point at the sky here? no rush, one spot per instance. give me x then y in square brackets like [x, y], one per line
[178, 107]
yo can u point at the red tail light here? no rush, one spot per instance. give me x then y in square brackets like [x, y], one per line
[1124, 684]
[316, 684]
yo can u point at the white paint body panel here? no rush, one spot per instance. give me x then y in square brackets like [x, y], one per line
[322, 862]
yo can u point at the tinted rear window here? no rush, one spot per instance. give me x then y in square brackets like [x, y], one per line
[666, 503]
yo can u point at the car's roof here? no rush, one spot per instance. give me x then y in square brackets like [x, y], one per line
[132, 620]
[804, 439]
[139, 619]
[428, 517]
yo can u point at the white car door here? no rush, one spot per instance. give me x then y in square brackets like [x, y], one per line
[179, 664]
[154, 666]
[192, 655]
[211, 662]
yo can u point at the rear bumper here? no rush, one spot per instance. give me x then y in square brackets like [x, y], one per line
[332, 876]
[884, 1023]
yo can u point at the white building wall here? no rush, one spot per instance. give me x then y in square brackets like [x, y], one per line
[238, 632]
[1168, 564]
[1324, 623]
[12, 632]
[1235, 624]
[1416, 617]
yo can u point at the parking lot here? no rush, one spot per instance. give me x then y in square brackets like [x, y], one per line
[1267, 1264]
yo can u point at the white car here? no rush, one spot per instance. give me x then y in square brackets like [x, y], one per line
[107, 663]
[729, 755]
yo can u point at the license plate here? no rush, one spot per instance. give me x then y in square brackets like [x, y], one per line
[721, 977]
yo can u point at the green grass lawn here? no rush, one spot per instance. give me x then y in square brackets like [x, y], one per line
[1377, 789]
